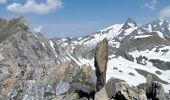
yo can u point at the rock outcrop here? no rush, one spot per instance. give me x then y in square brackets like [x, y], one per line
[116, 89]
[101, 57]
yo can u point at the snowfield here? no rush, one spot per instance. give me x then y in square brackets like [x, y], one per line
[120, 68]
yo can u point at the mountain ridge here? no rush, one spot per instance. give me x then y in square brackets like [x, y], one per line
[49, 65]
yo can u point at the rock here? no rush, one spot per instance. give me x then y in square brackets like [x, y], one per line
[111, 86]
[101, 95]
[81, 87]
[118, 90]
[71, 96]
[154, 90]
[159, 91]
[127, 56]
[149, 78]
[30, 90]
[62, 87]
[101, 58]
[141, 60]
[87, 71]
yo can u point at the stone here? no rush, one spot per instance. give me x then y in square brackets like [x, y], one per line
[30, 90]
[111, 86]
[118, 90]
[153, 90]
[149, 79]
[159, 93]
[101, 95]
[101, 58]
[62, 87]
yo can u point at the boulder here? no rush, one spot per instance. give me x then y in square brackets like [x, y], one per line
[154, 90]
[118, 90]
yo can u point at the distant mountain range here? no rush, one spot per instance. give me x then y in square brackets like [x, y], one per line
[47, 64]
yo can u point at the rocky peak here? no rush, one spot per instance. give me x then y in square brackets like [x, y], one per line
[19, 23]
[156, 25]
[129, 24]
[2, 22]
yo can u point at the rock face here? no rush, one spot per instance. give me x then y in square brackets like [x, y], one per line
[101, 57]
[33, 67]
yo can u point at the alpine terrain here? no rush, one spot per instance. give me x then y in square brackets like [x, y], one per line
[122, 62]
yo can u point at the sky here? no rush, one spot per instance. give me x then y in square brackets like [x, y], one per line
[74, 18]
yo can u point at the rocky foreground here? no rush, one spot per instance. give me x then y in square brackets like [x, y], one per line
[33, 67]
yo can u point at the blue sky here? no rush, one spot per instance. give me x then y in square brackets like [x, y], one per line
[63, 18]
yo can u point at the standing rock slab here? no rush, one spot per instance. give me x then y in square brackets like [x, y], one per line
[101, 58]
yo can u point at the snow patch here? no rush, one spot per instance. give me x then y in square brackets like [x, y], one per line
[160, 34]
[142, 36]
[52, 45]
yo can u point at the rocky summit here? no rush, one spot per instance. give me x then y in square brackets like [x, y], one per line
[122, 62]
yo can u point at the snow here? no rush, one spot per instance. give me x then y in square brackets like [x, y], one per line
[87, 61]
[43, 44]
[1, 57]
[149, 28]
[151, 54]
[127, 66]
[79, 38]
[113, 31]
[140, 32]
[82, 61]
[131, 24]
[128, 31]
[36, 36]
[161, 22]
[142, 36]
[64, 40]
[160, 34]
[52, 45]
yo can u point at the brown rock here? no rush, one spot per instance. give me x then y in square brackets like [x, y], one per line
[101, 58]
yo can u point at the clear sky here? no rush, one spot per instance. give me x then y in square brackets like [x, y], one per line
[63, 18]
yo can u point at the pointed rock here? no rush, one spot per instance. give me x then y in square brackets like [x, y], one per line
[149, 78]
[129, 24]
[101, 58]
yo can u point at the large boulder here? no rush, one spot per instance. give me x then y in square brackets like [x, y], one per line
[154, 90]
[118, 90]
[101, 58]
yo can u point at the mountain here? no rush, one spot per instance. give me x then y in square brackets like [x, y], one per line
[33, 67]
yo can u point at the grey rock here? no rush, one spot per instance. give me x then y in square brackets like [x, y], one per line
[101, 57]
[118, 90]
[149, 79]
[62, 87]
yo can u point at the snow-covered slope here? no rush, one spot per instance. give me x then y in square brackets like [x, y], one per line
[134, 51]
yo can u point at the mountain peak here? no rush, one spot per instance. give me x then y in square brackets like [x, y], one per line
[19, 22]
[130, 20]
[129, 23]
